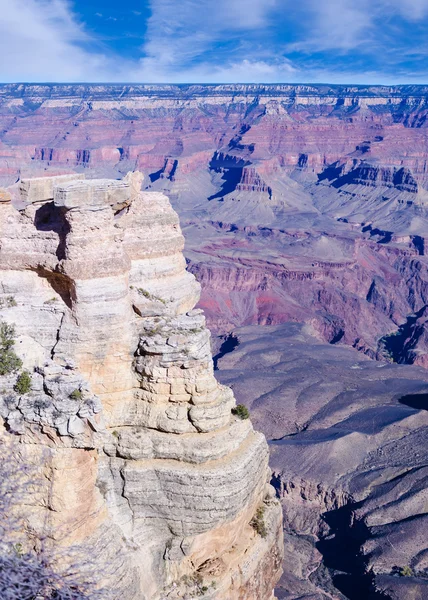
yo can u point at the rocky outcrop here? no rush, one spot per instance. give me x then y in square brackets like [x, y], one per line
[359, 172]
[133, 432]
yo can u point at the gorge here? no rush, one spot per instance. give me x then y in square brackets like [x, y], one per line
[304, 212]
[309, 201]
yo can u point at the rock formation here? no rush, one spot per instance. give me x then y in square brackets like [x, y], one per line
[302, 202]
[143, 460]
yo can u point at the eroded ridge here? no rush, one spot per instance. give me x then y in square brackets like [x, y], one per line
[142, 458]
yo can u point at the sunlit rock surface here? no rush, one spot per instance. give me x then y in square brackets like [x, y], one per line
[142, 459]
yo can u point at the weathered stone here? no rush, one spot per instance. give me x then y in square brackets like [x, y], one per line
[41, 189]
[142, 442]
[93, 193]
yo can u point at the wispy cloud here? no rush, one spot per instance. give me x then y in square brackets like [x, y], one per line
[335, 25]
[41, 40]
[221, 40]
[414, 10]
[180, 33]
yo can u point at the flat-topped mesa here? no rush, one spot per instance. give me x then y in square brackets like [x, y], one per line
[104, 314]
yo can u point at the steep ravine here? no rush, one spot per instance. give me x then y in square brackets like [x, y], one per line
[348, 440]
[342, 554]
[342, 571]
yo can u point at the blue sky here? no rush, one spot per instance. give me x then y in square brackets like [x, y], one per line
[185, 41]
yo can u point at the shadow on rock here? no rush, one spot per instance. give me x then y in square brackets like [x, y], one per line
[341, 552]
[417, 401]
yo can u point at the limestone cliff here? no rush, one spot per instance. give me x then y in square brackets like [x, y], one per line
[143, 460]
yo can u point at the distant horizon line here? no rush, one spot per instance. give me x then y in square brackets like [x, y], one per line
[184, 84]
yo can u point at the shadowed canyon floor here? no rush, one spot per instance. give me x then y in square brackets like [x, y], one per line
[348, 449]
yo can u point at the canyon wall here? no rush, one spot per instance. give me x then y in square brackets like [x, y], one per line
[144, 463]
[302, 202]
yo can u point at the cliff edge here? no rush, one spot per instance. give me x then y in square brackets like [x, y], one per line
[143, 459]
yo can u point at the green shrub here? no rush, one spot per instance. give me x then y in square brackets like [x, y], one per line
[76, 394]
[9, 362]
[258, 522]
[9, 302]
[144, 293]
[23, 383]
[7, 336]
[241, 411]
[406, 571]
[150, 296]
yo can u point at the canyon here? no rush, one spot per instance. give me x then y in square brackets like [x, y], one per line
[304, 212]
[308, 202]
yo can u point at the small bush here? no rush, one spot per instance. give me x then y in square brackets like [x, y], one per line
[7, 336]
[9, 362]
[241, 411]
[76, 394]
[406, 571]
[150, 296]
[258, 522]
[9, 302]
[23, 383]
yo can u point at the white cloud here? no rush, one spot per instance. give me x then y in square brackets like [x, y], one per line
[40, 41]
[202, 40]
[244, 71]
[179, 32]
[335, 25]
[414, 10]
[346, 25]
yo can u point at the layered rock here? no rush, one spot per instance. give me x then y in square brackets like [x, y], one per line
[133, 432]
[338, 172]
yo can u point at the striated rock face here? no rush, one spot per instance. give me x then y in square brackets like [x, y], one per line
[143, 461]
[300, 202]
